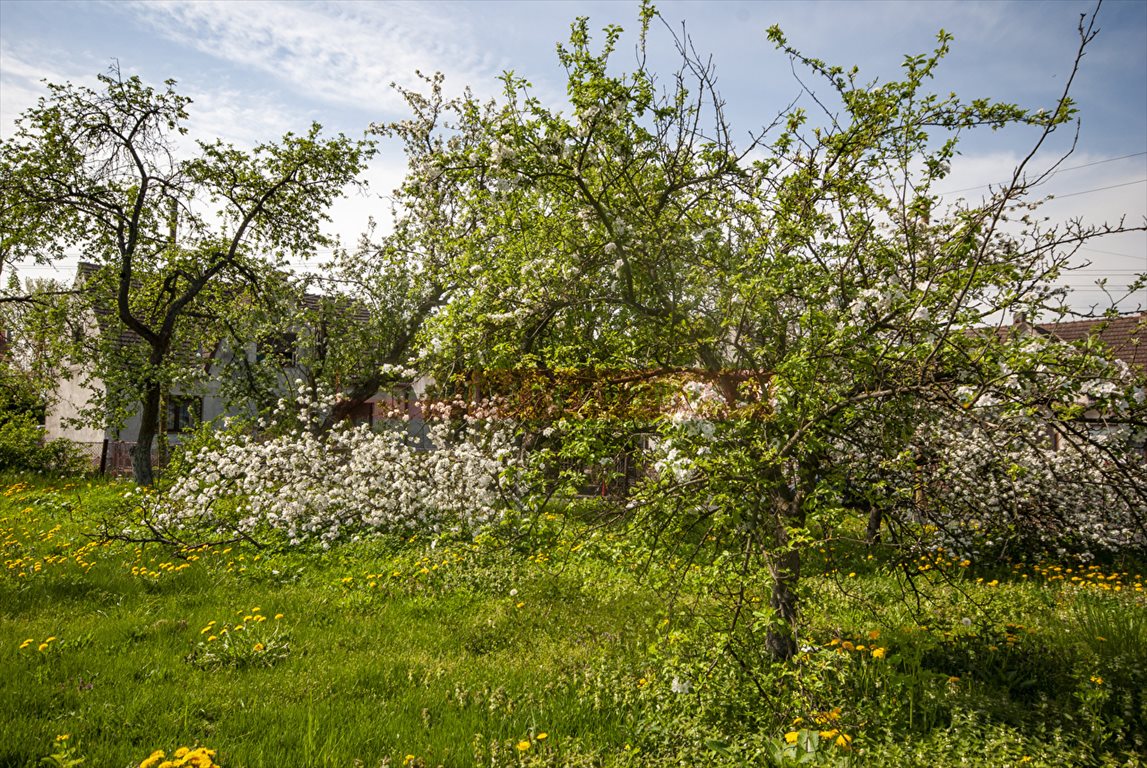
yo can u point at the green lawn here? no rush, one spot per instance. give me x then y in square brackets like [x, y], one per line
[556, 646]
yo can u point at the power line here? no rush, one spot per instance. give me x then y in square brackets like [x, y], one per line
[1098, 189]
[1053, 173]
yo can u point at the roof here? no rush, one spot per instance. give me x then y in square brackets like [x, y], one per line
[1125, 336]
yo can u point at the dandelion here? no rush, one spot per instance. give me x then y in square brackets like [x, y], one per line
[26, 643]
[63, 737]
[259, 647]
[42, 647]
[523, 746]
[1097, 679]
[278, 616]
[844, 741]
[878, 653]
[542, 736]
[791, 737]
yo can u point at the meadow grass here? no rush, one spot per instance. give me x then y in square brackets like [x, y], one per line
[554, 646]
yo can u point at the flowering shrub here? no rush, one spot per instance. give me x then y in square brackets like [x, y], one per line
[351, 480]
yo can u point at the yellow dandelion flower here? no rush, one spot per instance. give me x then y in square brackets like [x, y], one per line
[829, 734]
[523, 746]
[878, 653]
[152, 759]
[542, 736]
[791, 737]
[182, 751]
[50, 639]
[26, 643]
[847, 645]
[42, 647]
[844, 741]
[278, 616]
[259, 647]
[874, 634]
[212, 638]
[1097, 679]
[63, 737]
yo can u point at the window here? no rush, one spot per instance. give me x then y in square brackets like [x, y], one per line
[282, 348]
[183, 413]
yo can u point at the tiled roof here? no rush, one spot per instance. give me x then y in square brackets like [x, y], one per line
[1125, 336]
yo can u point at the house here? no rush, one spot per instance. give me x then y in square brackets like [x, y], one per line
[184, 408]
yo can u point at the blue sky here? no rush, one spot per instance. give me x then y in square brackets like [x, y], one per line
[256, 69]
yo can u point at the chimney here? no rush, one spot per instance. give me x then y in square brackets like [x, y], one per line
[1020, 322]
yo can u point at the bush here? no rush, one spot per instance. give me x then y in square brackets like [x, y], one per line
[22, 447]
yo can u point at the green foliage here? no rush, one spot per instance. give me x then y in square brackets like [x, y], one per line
[22, 447]
[181, 246]
[22, 444]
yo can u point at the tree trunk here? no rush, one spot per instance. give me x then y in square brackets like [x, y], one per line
[784, 564]
[148, 423]
[875, 519]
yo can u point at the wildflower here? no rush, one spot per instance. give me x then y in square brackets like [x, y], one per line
[259, 647]
[681, 686]
[542, 736]
[182, 752]
[212, 638]
[278, 616]
[152, 759]
[844, 741]
[1097, 679]
[63, 737]
[791, 737]
[523, 746]
[42, 647]
[878, 653]
[874, 634]
[26, 643]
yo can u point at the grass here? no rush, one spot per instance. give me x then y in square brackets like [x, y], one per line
[388, 653]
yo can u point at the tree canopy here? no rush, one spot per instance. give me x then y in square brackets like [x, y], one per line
[176, 232]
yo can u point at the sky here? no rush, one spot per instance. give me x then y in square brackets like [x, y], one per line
[259, 68]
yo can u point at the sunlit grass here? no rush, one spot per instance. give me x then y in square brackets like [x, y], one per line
[542, 649]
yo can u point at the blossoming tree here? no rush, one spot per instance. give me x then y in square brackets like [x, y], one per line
[795, 290]
[101, 171]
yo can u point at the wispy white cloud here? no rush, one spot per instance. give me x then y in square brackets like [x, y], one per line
[341, 53]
